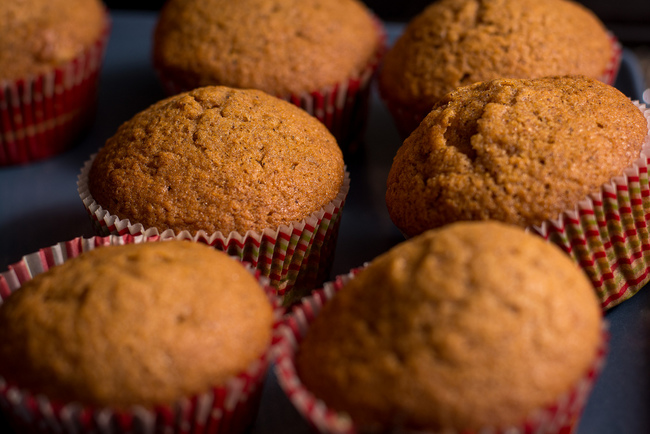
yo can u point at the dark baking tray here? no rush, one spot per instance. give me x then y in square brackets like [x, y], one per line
[39, 206]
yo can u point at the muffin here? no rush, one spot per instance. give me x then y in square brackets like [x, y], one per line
[519, 151]
[477, 326]
[141, 329]
[244, 171]
[455, 43]
[50, 57]
[318, 55]
[528, 152]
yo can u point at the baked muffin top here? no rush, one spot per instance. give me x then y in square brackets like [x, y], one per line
[455, 43]
[519, 151]
[37, 35]
[279, 46]
[135, 324]
[218, 159]
[471, 325]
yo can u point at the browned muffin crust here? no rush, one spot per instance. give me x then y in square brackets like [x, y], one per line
[280, 46]
[139, 324]
[472, 325]
[37, 35]
[218, 159]
[518, 151]
[455, 43]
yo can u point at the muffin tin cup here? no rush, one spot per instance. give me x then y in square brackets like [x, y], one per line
[342, 107]
[608, 233]
[296, 258]
[558, 417]
[42, 115]
[407, 119]
[230, 408]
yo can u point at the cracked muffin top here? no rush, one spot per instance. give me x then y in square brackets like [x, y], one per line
[279, 46]
[475, 324]
[135, 324]
[218, 159]
[455, 43]
[518, 151]
[37, 35]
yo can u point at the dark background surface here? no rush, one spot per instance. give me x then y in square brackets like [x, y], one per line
[628, 19]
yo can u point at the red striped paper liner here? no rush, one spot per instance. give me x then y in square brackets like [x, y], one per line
[607, 234]
[296, 257]
[42, 115]
[407, 119]
[559, 417]
[342, 107]
[614, 64]
[229, 408]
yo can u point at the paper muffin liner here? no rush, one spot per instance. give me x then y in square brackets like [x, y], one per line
[614, 64]
[296, 257]
[42, 115]
[559, 417]
[342, 107]
[607, 234]
[230, 408]
[407, 119]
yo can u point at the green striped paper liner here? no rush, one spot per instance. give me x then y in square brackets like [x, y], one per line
[607, 234]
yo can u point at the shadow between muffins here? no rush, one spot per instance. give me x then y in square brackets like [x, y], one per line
[628, 352]
[133, 80]
[32, 232]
